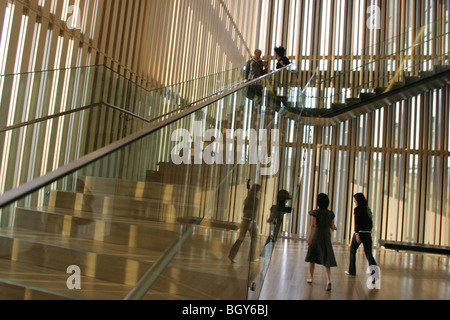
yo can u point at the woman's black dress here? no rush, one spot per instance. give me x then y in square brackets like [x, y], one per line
[321, 250]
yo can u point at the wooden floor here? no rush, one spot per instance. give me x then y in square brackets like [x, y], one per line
[404, 276]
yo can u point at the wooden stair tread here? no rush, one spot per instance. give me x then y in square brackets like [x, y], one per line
[185, 272]
[136, 189]
[13, 291]
[215, 227]
[197, 249]
[93, 216]
[56, 281]
[93, 246]
[92, 199]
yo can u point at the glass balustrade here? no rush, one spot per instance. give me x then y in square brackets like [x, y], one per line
[384, 67]
[157, 103]
[32, 150]
[165, 213]
[49, 119]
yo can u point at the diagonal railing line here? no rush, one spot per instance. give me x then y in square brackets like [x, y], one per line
[22, 191]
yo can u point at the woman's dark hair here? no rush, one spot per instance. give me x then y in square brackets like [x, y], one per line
[280, 51]
[361, 199]
[323, 201]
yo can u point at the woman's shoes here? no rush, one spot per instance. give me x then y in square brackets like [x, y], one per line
[310, 281]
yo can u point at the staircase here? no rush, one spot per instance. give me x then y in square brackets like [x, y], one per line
[116, 230]
[379, 97]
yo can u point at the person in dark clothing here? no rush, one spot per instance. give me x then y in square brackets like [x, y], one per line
[280, 81]
[363, 233]
[320, 249]
[277, 213]
[256, 67]
[282, 60]
[248, 223]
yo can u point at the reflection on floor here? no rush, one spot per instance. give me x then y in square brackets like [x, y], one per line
[404, 276]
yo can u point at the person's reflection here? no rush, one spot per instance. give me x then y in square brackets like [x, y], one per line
[248, 223]
[277, 214]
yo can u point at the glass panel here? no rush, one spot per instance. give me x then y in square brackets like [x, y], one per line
[30, 96]
[171, 205]
[154, 104]
[36, 149]
[29, 149]
[384, 67]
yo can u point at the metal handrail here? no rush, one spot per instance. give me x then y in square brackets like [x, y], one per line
[65, 113]
[27, 188]
[99, 104]
[197, 101]
[43, 119]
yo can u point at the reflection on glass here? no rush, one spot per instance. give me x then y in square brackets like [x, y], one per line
[52, 118]
[157, 218]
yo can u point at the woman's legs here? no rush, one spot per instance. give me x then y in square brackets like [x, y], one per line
[368, 244]
[328, 272]
[312, 266]
[353, 249]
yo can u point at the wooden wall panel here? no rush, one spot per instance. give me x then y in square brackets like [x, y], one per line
[398, 157]
[148, 41]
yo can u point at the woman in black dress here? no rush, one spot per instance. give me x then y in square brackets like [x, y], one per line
[320, 249]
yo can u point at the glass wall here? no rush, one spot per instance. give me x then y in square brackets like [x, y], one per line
[52, 118]
[170, 213]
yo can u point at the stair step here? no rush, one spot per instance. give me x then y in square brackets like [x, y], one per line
[17, 291]
[139, 190]
[441, 68]
[426, 74]
[198, 272]
[55, 282]
[366, 95]
[190, 174]
[396, 85]
[411, 79]
[198, 247]
[152, 209]
[133, 241]
[108, 231]
[352, 101]
[37, 252]
[380, 90]
[338, 105]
